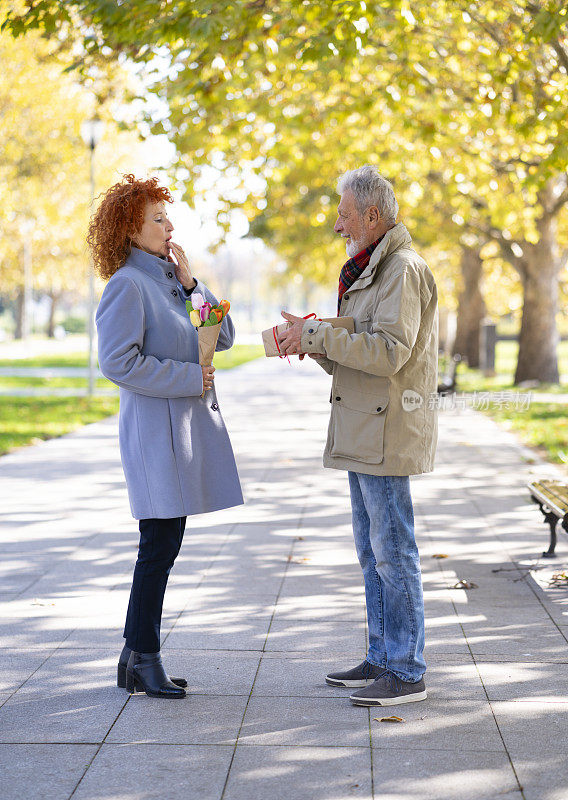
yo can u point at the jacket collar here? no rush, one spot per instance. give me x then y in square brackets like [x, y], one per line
[393, 240]
[155, 266]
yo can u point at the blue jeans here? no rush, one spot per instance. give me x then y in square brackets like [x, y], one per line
[383, 527]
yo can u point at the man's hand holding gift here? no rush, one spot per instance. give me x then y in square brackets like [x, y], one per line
[290, 339]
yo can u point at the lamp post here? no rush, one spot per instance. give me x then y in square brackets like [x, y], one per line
[91, 131]
[27, 227]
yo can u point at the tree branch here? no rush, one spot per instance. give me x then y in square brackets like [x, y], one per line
[505, 245]
[561, 53]
[560, 201]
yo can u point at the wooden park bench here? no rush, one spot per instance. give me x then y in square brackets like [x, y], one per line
[552, 499]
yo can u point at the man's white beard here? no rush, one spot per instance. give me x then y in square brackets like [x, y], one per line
[353, 247]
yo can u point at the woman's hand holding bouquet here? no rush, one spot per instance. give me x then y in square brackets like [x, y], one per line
[207, 319]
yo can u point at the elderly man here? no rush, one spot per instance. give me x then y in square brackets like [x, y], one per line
[383, 427]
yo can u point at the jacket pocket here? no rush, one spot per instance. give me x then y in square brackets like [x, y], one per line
[358, 425]
[363, 325]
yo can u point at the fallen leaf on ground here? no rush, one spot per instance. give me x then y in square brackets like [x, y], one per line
[299, 538]
[464, 585]
[389, 719]
[558, 580]
[440, 555]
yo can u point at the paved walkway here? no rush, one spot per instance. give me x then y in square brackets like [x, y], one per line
[262, 602]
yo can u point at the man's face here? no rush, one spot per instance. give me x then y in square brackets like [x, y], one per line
[351, 225]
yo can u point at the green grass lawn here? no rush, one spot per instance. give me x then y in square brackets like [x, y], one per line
[27, 420]
[473, 380]
[540, 425]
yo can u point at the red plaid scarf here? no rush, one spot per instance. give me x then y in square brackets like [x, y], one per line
[353, 268]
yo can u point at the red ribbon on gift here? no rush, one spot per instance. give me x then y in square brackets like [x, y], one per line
[275, 331]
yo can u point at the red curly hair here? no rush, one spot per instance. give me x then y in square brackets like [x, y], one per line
[118, 218]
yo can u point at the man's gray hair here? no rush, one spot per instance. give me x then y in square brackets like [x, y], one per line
[370, 189]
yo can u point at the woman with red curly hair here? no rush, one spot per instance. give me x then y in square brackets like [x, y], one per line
[174, 446]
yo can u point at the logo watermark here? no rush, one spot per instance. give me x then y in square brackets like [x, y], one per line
[411, 400]
[504, 400]
[479, 401]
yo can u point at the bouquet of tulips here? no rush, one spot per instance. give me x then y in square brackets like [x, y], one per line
[207, 318]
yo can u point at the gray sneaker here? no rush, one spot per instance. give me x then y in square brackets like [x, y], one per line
[389, 690]
[362, 675]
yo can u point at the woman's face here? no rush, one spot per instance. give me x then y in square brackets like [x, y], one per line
[156, 230]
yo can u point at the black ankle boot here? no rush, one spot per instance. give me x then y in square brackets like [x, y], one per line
[121, 671]
[145, 671]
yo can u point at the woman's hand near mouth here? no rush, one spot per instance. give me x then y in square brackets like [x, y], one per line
[181, 266]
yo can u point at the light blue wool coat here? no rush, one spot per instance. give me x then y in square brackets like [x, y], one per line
[174, 447]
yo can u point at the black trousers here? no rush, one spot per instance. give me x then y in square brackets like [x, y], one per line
[160, 541]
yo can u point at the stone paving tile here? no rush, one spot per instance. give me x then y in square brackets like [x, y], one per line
[300, 773]
[542, 776]
[216, 634]
[297, 721]
[305, 586]
[444, 642]
[175, 772]
[542, 641]
[526, 725]
[17, 666]
[442, 775]
[311, 608]
[42, 715]
[229, 585]
[538, 681]
[297, 677]
[217, 610]
[49, 771]
[319, 636]
[15, 635]
[71, 697]
[196, 719]
[438, 723]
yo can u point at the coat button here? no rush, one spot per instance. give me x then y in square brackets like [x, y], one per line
[174, 292]
[311, 330]
[338, 398]
[310, 342]
[215, 406]
[170, 274]
[379, 409]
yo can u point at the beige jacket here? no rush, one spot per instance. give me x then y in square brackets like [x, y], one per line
[383, 398]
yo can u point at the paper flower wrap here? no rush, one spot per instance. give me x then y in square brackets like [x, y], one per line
[207, 319]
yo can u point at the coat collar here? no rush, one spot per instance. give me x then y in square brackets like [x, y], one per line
[393, 240]
[158, 268]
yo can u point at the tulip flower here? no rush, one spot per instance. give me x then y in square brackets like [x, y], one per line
[204, 311]
[197, 300]
[195, 318]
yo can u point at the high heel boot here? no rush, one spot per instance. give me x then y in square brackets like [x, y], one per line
[145, 671]
[121, 671]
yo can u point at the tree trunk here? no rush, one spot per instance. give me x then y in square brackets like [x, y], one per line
[471, 307]
[50, 330]
[19, 313]
[538, 339]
